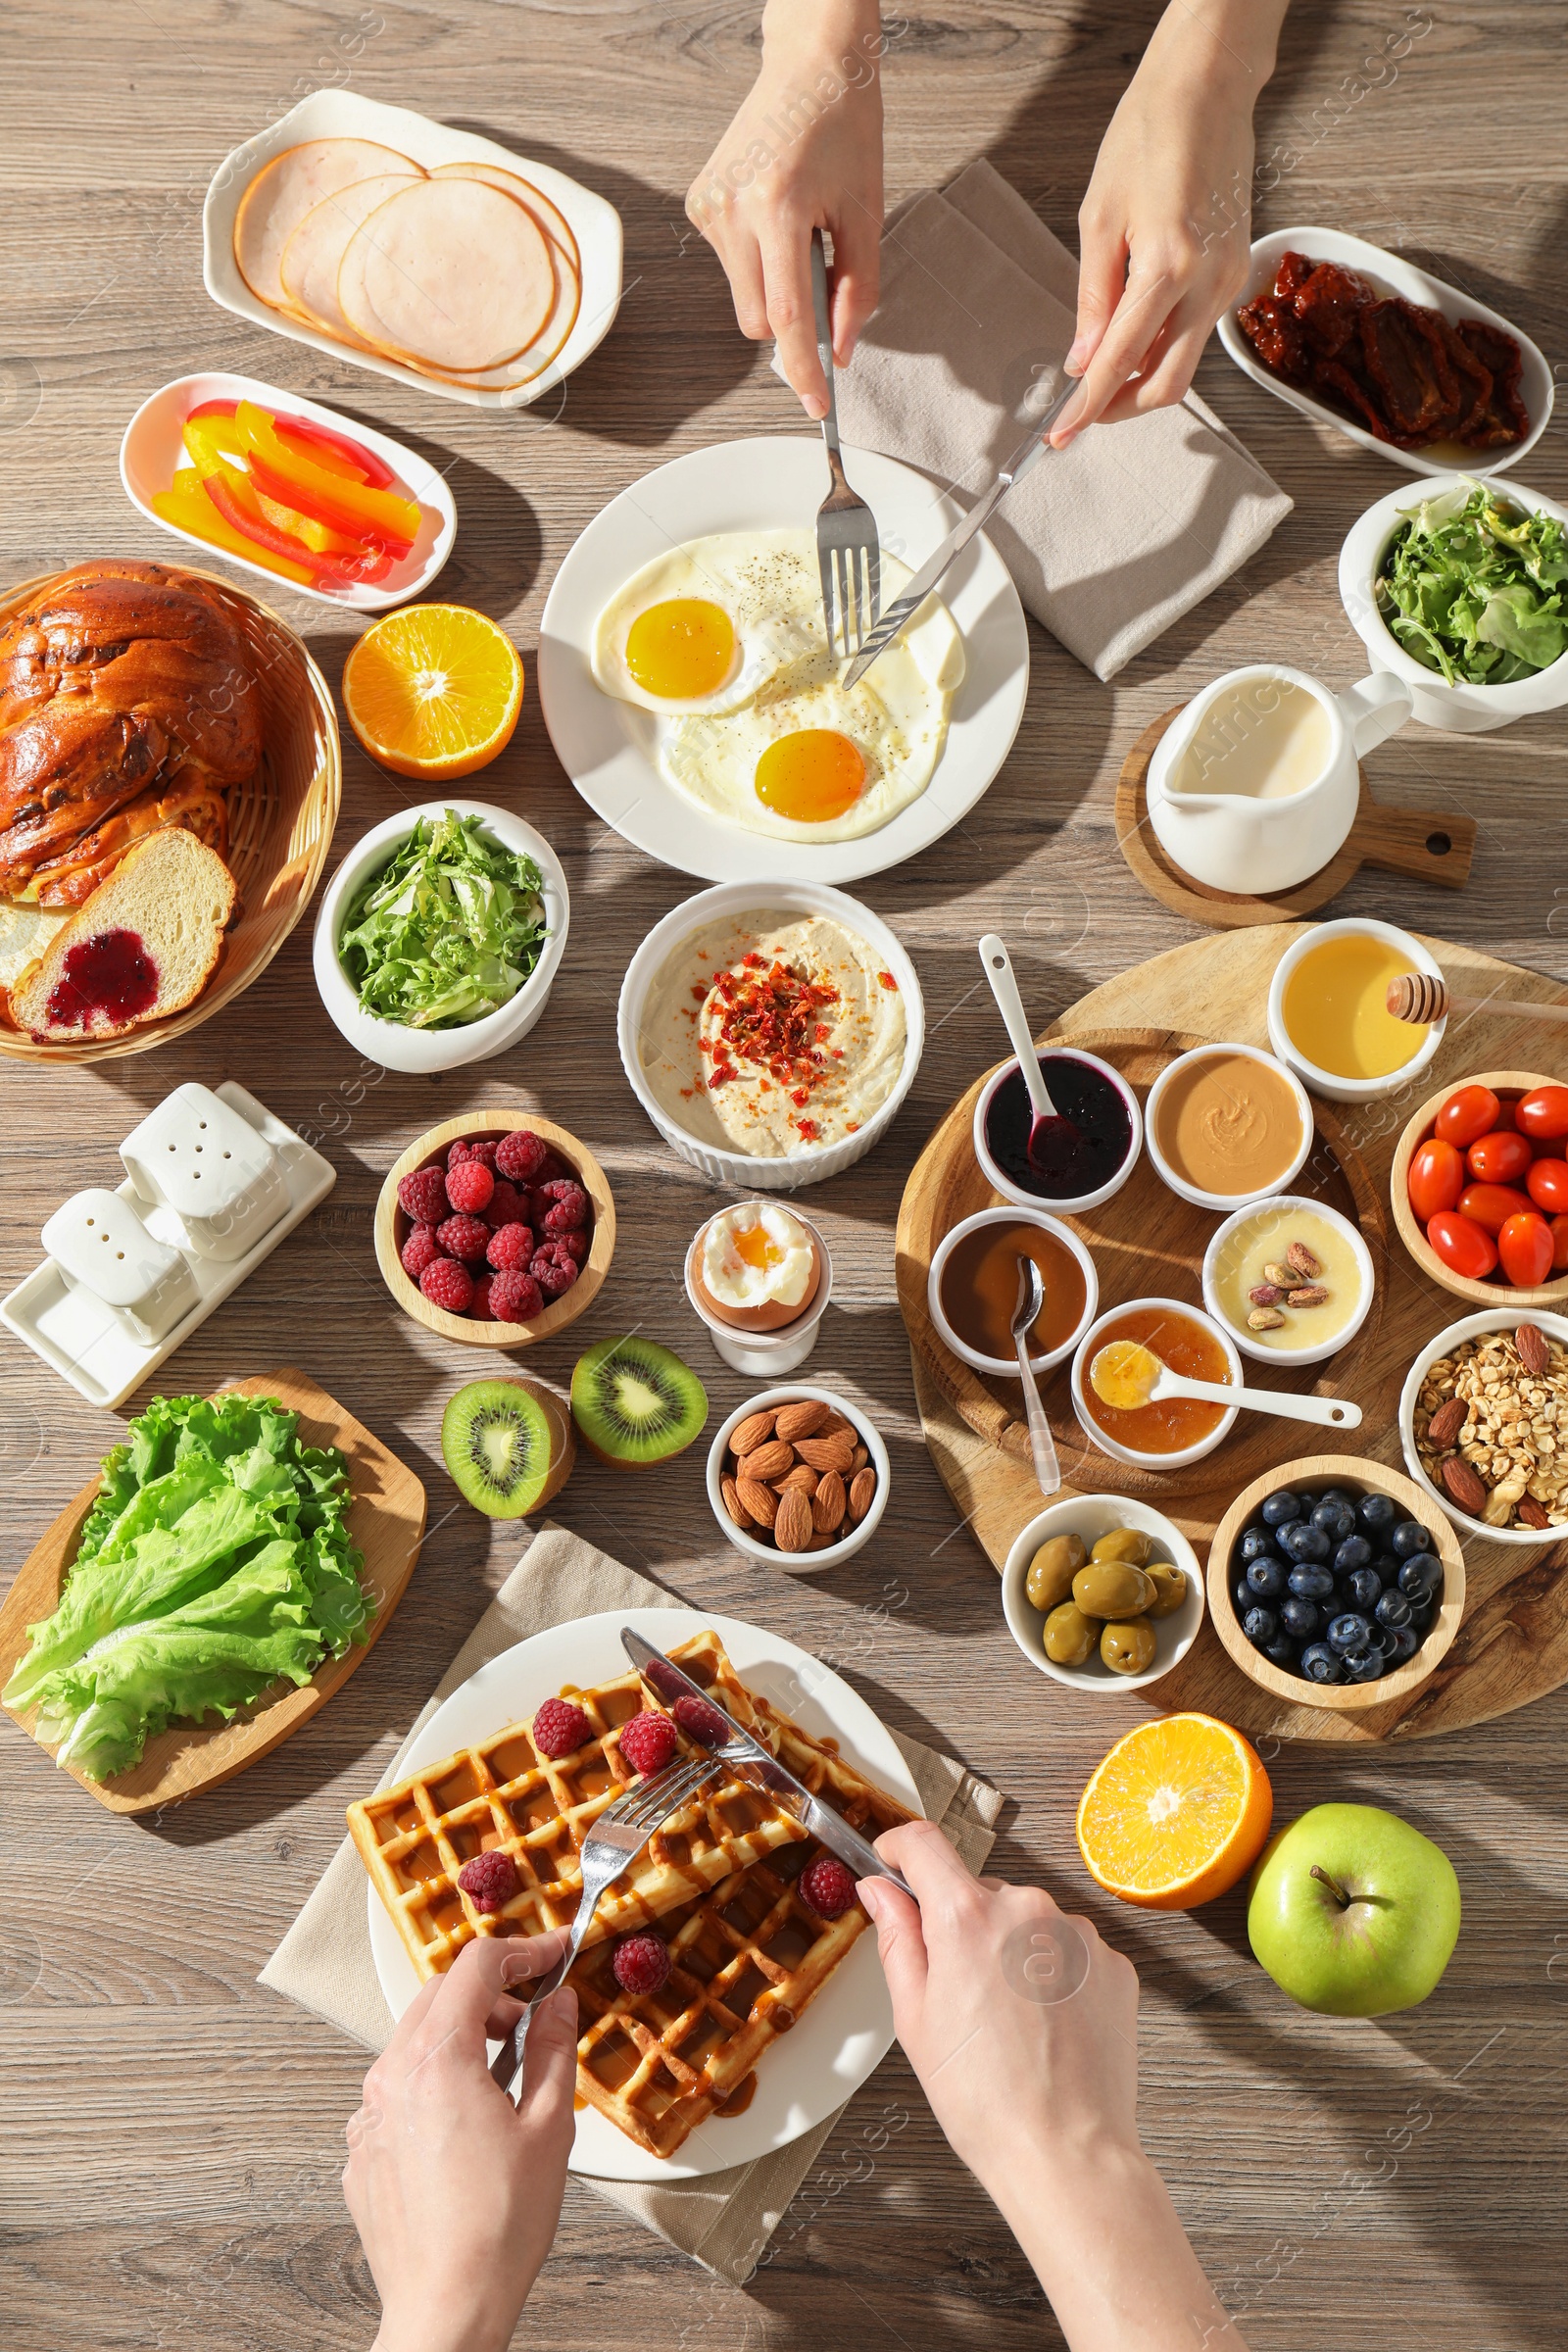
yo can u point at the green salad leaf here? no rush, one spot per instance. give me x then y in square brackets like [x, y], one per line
[216, 1559]
[1476, 588]
[448, 931]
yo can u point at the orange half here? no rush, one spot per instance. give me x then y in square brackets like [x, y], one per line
[1176, 1813]
[434, 691]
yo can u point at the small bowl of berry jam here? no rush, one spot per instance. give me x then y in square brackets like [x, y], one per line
[1085, 1160]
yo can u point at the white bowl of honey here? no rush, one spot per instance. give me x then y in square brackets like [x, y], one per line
[1172, 1432]
[972, 1289]
[1328, 1014]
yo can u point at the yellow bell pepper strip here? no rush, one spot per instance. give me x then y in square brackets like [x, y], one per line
[318, 537]
[209, 441]
[188, 507]
[337, 450]
[286, 473]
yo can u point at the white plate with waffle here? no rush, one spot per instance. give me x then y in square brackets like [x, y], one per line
[502, 1794]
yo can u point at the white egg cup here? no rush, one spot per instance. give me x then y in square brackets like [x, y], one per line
[762, 1354]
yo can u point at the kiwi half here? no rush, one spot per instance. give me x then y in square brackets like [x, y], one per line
[636, 1404]
[509, 1444]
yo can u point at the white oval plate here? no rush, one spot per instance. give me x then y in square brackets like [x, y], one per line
[1389, 275]
[344, 114]
[153, 452]
[848, 2028]
[770, 484]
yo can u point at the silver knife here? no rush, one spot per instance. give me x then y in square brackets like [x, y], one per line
[897, 615]
[749, 1761]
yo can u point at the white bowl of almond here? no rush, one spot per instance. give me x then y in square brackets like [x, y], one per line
[1484, 1424]
[797, 1479]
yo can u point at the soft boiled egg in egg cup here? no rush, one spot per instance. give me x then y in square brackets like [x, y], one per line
[761, 1278]
[724, 640]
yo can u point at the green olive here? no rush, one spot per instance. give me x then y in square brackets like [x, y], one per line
[1113, 1588]
[1128, 1648]
[1170, 1587]
[1070, 1636]
[1053, 1569]
[1124, 1543]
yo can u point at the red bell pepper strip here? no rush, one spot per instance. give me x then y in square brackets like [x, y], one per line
[321, 506]
[212, 407]
[326, 444]
[219, 488]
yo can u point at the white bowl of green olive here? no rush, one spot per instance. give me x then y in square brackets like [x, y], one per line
[1113, 1584]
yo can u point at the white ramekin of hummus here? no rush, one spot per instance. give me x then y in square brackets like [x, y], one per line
[869, 1032]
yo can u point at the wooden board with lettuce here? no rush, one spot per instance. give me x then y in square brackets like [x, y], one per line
[224, 1575]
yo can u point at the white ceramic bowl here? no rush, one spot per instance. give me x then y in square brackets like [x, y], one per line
[153, 452]
[1454, 710]
[799, 1563]
[1005, 1367]
[1087, 1349]
[1179, 1184]
[1326, 1081]
[1093, 1516]
[1388, 274]
[423, 1050]
[740, 1168]
[1003, 1184]
[1472, 1327]
[1245, 1340]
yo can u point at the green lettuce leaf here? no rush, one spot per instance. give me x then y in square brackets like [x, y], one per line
[448, 930]
[1476, 588]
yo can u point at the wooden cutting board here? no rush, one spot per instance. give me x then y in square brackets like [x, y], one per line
[1513, 1643]
[386, 1520]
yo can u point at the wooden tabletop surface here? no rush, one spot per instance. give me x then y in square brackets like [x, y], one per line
[172, 2134]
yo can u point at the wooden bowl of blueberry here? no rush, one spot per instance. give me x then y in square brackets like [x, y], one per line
[1333, 1583]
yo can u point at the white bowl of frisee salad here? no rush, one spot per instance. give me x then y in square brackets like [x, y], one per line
[439, 936]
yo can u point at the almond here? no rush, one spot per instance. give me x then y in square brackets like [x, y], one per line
[863, 1490]
[769, 1461]
[829, 1504]
[1443, 1430]
[757, 1501]
[803, 1420]
[822, 1541]
[802, 1477]
[1530, 1514]
[1464, 1486]
[1534, 1352]
[734, 1505]
[837, 1425]
[751, 1433]
[828, 1453]
[859, 1459]
[793, 1528]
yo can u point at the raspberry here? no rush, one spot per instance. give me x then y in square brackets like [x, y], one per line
[576, 1245]
[514, 1298]
[485, 1153]
[568, 1207]
[469, 1186]
[560, 1728]
[464, 1237]
[553, 1169]
[647, 1742]
[489, 1881]
[511, 1248]
[522, 1154]
[481, 1310]
[826, 1886]
[420, 1250]
[554, 1270]
[507, 1205]
[640, 1963]
[422, 1195]
[701, 1722]
[447, 1284]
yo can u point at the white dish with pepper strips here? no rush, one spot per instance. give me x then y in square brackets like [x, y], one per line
[1499, 1470]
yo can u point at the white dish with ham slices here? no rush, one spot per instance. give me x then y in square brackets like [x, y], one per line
[435, 196]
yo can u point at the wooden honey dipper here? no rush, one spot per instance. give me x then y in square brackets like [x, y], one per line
[1415, 997]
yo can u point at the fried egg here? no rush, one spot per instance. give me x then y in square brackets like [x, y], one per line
[724, 639]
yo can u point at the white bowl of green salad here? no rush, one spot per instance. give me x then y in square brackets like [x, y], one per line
[1461, 589]
[439, 936]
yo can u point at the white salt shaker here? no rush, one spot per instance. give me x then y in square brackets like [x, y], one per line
[196, 1156]
[98, 1242]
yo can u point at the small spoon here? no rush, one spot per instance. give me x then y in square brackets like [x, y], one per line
[1049, 1126]
[1026, 1316]
[1126, 1374]
[1417, 996]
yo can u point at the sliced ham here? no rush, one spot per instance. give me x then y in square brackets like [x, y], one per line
[314, 254]
[450, 274]
[286, 189]
[550, 217]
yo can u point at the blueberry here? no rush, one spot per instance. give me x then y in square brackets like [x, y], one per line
[1266, 1578]
[1388, 1568]
[1393, 1608]
[1337, 1520]
[1413, 1580]
[1406, 1641]
[1261, 1626]
[1320, 1665]
[1349, 1633]
[1376, 1513]
[1280, 1652]
[1304, 1541]
[1363, 1589]
[1421, 1618]
[1346, 1502]
[1256, 1544]
[1301, 1618]
[1310, 1582]
[1281, 1509]
[1424, 1564]
[1354, 1552]
[1365, 1665]
[1409, 1538]
[1384, 1641]
[1242, 1596]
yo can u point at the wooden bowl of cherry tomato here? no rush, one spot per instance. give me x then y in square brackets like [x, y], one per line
[1480, 1188]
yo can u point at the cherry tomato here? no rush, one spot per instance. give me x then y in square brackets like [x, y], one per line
[1559, 1245]
[1544, 1115]
[1493, 1204]
[1436, 1178]
[1464, 1246]
[1499, 1158]
[1525, 1247]
[1547, 1183]
[1472, 1111]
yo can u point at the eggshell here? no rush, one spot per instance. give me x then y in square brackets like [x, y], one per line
[768, 1318]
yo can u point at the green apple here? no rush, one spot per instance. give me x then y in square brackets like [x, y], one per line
[1354, 1912]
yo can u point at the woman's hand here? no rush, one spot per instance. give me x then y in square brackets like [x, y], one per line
[456, 2192]
[804, 152]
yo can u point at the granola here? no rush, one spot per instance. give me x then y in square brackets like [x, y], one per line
[1514, 1433]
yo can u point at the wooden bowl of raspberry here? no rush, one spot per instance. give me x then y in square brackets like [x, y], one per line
[496, 1229]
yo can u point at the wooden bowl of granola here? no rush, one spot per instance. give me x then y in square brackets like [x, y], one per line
[1508, 1086]
[1490, 1473]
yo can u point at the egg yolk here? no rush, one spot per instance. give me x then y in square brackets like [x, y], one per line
[811, 776]
[681, 648]
[755, 1246]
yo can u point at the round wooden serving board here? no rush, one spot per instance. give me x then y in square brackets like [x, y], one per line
[1512, 1645]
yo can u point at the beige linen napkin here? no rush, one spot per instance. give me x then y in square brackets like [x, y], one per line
[724, 2220]
[1107, 541]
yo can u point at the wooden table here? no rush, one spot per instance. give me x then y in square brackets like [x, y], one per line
[172, 2134]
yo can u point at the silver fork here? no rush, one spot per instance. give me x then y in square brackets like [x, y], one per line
[609, 1848]
[846, 527]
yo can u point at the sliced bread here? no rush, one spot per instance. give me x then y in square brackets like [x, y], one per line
[143, 946]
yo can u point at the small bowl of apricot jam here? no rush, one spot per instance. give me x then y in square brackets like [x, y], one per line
[973, 1287]
[1168, 1434]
